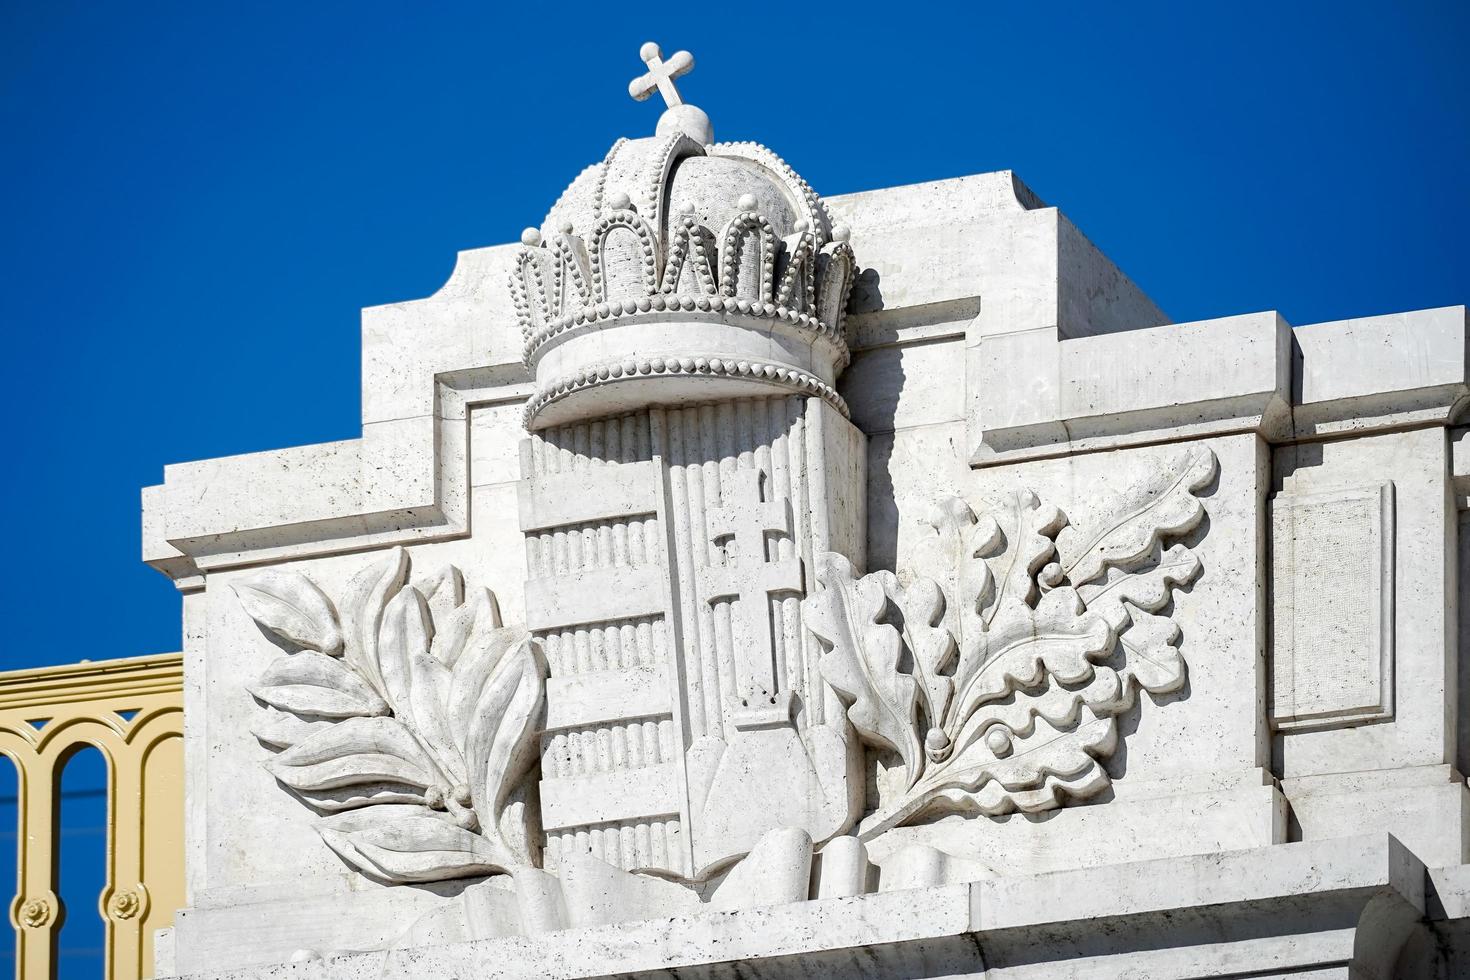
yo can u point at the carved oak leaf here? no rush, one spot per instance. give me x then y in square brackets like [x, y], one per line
[1149, 587]
[927, 639]
[1047, 747]
[312, 683]
[1024, 646]
[291, 606]
[1153, 661]
[994, 800]
[861, 661]
[1104, 694]
[1012, 546]
[1037, 607]
[1023, 532]
[1163, 505]
[1041, 771]
[950, 556]
[1063, 738]
[407, 843]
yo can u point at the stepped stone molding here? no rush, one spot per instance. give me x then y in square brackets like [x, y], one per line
[1032, 927]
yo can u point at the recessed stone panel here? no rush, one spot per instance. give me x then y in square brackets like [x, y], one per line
[1332, 607]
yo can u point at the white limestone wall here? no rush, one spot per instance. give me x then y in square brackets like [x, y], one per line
[979, 335]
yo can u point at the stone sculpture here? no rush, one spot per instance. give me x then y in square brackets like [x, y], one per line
[709, 685]
[410, 718]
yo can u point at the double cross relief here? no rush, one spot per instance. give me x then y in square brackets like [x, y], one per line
[670, 615]
[748, 528]
[774, 767]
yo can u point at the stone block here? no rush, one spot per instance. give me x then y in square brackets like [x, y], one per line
[1420, 730]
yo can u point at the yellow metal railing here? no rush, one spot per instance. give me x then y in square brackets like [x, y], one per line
[132, 711]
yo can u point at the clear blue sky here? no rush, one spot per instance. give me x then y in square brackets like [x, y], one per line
[198, 197]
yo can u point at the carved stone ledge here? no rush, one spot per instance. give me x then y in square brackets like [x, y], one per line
[694, 379]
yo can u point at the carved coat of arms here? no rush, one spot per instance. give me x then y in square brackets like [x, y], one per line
[705, 659]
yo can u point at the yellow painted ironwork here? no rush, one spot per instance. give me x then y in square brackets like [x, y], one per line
[132, 711]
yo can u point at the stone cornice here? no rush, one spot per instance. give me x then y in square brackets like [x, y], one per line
[1041, 395]
[1034, 305]
[1149, 913]
[425, 362]
[404, 481]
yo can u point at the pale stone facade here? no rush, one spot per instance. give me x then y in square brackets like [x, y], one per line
[733, 582]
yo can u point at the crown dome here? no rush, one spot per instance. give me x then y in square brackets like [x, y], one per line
[676, 270]
[670, 175]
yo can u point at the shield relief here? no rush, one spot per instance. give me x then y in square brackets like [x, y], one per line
[668, 551]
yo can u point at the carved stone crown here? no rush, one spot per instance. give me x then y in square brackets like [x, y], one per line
[675, 271]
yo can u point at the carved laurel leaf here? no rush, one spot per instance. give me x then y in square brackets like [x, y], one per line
[312, 683]
[442, 588]
[501, 743]
[281, 729]
[427, 696]
[1163, 505]
[357, 751]
[406, 844]
[433, 704]
[465, 623]
[928, 640]
[293, 608]
[416, 683]
[366, 597]
[861, 661]
[481, 654]
[358, 795]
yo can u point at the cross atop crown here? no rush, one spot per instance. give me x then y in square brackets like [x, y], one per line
[679, 117]
[661, 74]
